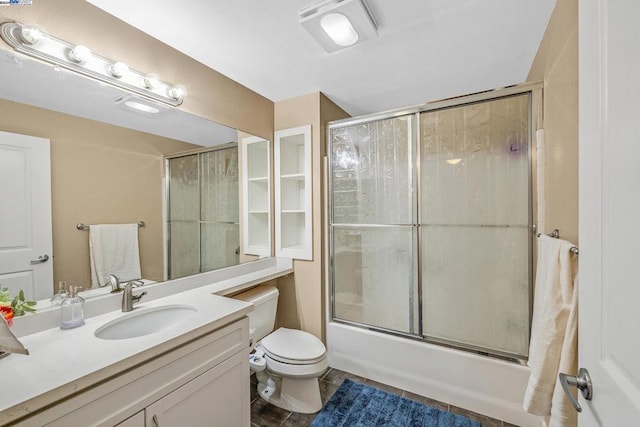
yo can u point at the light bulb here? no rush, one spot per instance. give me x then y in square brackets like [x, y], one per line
[30, 35]
[177, 92]
[119, 69]
[80, 54]
[151, 81]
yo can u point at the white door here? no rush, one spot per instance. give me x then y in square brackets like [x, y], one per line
[25, 216]
[609, 327]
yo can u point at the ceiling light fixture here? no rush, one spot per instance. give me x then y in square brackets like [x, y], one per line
[142, 107]
[339, 29]
[139, 105]
[78, 58]
[336, 24]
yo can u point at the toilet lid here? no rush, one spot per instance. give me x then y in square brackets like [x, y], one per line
[292, 344]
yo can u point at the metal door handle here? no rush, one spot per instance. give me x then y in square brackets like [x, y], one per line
[41, 259]
[582, 382]
[155, 421]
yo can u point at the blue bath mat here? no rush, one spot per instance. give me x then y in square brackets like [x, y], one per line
[356, 404]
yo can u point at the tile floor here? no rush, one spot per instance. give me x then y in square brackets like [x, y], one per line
[264, 414]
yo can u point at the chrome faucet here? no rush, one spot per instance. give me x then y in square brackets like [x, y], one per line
[115, 282]
[128, 299]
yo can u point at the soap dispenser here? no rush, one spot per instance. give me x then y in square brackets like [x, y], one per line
[72, 309]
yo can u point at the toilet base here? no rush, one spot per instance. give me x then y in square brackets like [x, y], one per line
[292, 394]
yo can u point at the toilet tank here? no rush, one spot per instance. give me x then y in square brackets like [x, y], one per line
[263, 316]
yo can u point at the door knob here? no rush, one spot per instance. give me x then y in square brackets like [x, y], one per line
[41, 259]
[582, 382]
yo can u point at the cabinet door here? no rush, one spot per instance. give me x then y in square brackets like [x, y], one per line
[293, 193]
[256, 196]
[135, 421]
[219, 397]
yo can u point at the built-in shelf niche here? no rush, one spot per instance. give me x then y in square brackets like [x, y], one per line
[256, 193]
[292, 157]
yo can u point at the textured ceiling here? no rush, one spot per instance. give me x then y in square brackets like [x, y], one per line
[426, 49]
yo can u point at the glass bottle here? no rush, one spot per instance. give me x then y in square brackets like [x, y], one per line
[61, 295]
[72, 309]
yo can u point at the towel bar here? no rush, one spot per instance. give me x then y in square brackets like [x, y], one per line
[83, 227]
[556, 235]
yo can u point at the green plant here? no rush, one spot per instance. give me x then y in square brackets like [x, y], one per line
[18, 304]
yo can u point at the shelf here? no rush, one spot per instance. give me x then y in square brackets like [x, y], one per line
[292, 190]
[256, 196]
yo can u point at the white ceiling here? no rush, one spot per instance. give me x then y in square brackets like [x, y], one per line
[426, 49]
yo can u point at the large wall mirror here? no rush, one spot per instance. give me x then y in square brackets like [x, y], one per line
[108, 166]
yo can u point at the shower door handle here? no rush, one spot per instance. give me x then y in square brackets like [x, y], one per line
[582, 382]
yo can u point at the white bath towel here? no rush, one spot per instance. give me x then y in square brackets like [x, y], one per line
[540, 172]
[113, 249]
[554, 329]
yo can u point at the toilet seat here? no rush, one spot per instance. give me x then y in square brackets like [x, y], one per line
[294, 347]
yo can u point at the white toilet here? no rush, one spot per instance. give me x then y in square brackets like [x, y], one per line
[287, 362]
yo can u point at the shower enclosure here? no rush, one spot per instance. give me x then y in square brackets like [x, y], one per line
[202, 211]
[430, 223]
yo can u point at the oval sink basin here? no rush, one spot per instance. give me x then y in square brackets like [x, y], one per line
[145, 321]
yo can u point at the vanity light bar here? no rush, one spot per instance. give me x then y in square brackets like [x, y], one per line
[78, 58]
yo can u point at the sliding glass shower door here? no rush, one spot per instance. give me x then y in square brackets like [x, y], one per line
[430, 220]
[474, 220]
[374, 234]
[203, 211]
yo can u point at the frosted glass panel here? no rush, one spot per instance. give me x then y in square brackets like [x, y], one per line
[374, 276]
[184, 207]
[476, 286]
[371, 166]
[219, 245]
[184, 189]
[184, 249]
[475, 224]
[475, 163]
[219, 186]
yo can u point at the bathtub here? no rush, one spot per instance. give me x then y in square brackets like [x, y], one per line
[478, 383]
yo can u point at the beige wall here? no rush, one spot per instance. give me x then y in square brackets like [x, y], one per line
[301, 302]
[556, 63]
[99, 174]
[210, 94]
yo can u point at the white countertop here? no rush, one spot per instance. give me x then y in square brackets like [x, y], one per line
[61, 362]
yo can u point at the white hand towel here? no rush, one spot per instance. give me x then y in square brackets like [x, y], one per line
[554, 301]
[113, 249]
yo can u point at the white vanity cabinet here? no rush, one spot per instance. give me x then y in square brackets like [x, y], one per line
[135, 421]
[292, 159]
[256, 196]
[203, 381]
[213, 398]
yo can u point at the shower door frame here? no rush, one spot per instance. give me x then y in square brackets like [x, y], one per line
[535, 119]
[167, 201]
